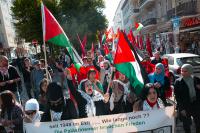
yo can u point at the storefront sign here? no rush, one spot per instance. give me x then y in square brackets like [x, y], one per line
[191, 22]
[156, 121]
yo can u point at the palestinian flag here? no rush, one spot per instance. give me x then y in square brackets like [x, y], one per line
[103, 40]
[138, 26]
[126, 62]
[107, 53]
[54, 34]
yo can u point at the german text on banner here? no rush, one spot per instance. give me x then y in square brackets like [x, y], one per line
[156, 121]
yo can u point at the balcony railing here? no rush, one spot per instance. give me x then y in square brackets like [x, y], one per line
[145, 2]
[149, 21]
[142, 2]
[188, 8]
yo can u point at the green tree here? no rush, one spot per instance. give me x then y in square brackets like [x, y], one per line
[27, 15]
[85, 18]
[76, 17]
[28, 21]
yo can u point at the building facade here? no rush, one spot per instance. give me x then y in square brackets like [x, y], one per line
[7, 33]
[157, 16]
[127, 15]
[117, 20]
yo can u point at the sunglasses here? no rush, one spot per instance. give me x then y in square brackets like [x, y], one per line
[30, 113]
[55, 103]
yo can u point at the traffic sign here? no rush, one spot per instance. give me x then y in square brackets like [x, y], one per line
[176, 22]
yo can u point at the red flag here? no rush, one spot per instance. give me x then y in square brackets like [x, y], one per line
[92, 49]
[136, 25]
[82, 47]
[84, 42]
[131, 37]
[106, 49]
[124, 31]
[148, 47]
[141, 42]
[126, 62]
[117, 34]
[100, 38]
[138, 42]
[53, 33]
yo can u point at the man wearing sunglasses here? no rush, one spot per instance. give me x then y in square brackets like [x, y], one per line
[32, 111]
[58, 108]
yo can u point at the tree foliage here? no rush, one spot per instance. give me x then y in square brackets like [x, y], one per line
[86, 17]
[76, 17]
[27, 17]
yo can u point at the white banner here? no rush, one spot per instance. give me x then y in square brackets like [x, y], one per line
[157, 121]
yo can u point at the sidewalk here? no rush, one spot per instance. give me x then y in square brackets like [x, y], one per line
[179, 127]
[178, 123]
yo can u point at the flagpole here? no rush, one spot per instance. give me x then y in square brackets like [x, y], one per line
[113, 41]
[43, 29]
[110, 82]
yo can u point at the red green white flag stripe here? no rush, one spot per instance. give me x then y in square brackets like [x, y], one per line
[103, 39]
[53, 33]
[138, 26]
[126, 63]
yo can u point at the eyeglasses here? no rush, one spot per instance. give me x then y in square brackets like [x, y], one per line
[30, 112]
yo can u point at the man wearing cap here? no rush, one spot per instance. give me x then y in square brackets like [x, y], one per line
[37, 74]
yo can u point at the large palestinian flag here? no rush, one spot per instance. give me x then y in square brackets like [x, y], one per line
[54, 34]
[126, 62]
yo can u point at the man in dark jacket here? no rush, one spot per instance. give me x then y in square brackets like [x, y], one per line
[187, 92]
[9, 77]
[157, 58]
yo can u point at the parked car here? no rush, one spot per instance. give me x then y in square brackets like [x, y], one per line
[176, 60]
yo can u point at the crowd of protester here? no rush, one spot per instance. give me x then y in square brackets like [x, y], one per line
[64, 92]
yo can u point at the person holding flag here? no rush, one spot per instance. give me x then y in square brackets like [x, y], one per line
[122, 96]
[54, 34]
[127, 62]
[90, 101]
